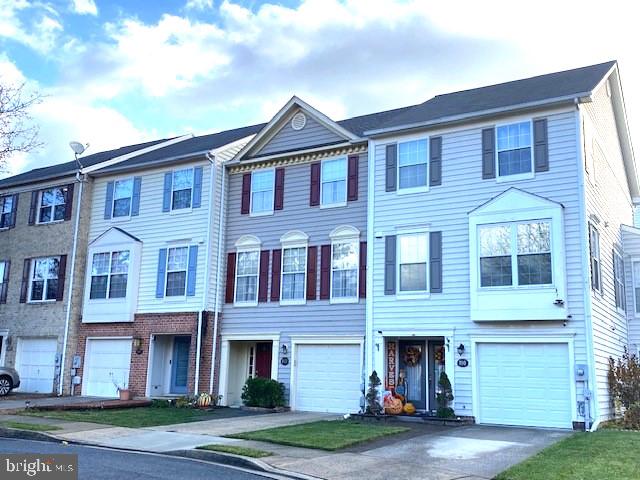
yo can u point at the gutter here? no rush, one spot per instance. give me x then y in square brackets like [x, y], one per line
[584, 97]
[70, 295]
[216, 312]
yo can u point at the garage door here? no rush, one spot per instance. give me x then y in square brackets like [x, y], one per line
[107, 363]
[524, 384]
[36, 364]
[327, 378]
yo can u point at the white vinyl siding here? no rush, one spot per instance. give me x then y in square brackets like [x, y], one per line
[462, 155]
[157, 231]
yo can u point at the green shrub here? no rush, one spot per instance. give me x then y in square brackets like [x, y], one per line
[444, 397]
[373, 405]
[160, 403]
[263, 392]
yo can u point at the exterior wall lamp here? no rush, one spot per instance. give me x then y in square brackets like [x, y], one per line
[460, 349]
[137, 345]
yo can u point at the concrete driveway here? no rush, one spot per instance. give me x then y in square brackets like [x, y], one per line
[472, 452]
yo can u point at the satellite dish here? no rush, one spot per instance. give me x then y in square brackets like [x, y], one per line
[77, 148]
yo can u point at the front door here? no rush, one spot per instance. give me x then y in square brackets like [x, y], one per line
[180, 364]
[263, 359]
[436, 367]
[412, 363]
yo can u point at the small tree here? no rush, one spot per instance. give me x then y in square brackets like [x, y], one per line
[373, 406]
[444, 397]
[16, 132]
[624, 380]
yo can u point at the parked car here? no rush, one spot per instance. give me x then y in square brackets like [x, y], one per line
[9, 379]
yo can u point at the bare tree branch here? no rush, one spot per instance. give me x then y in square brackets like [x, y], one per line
[17, 132]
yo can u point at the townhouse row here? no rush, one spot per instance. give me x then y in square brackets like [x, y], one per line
[487, 234]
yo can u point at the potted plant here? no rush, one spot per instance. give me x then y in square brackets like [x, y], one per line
[123, 390]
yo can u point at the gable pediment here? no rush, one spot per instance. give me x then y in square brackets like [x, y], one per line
[114, 236]
[514, 200]
[296, 127]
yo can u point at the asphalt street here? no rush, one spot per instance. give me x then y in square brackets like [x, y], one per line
[105, 464]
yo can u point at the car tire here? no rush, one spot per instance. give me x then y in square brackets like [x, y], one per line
[5, 385]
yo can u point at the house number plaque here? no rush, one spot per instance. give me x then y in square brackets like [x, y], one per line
[463, 362]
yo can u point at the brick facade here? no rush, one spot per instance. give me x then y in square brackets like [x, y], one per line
[144, 326]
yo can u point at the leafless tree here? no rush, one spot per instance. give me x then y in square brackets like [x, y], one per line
[17, 132]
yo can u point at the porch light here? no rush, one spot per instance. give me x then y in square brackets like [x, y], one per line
[137, 344]
[460, 349]
[284, 349]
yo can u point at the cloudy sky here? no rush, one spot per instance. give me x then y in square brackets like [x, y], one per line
[123, 71]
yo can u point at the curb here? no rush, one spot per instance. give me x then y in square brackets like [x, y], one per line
[209, 456]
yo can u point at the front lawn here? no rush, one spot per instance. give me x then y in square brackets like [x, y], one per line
[244, 451]
[584, 456]
[34, 427]
[129, 417]
[324, 435]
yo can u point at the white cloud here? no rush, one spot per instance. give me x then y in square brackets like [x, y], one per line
[40, 32]
[85, 7]
[198, 4]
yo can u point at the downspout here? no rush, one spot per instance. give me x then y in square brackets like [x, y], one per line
[371, 170]
[206, 274]
[584, 233]
[70, 295]
[216, 313]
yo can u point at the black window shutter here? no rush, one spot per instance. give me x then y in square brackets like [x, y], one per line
[14, 211]
[263, 280]
[314, 189]
[278, 200]
[390, 265]
[391, 162]
[435, 262]
[541, 147]
[312, 267]
[68, 201]
[276, 262]
[363, 270]
[435, 161]
[230, 287]
[24, 287]
[62, 270]
[488, 153]
[352, 178]
[33, 209]
[325, 272]
[5, 282]
[245, 200]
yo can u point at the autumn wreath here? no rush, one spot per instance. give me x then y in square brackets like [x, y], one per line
[412, 356]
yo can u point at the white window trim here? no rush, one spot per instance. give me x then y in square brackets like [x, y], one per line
[520, 176]
[411, 190]
[52, 207]
[45, 288]
[600, 290]
[635, 281]
[345, 235]
[171, 298]
[246, 243]
[412, 294]
[273, 194]
[621, 311]
[190, 208]
[113, 200]
[109, 274]
[513, 226]
[346, 182]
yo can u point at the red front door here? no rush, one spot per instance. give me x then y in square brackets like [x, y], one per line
[263, 359]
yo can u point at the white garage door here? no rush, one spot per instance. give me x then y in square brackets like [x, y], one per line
[524, 384]
[107, 363]
[36, 364]
[327, 378]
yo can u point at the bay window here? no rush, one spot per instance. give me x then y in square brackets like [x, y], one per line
[109, 275]
[517, 253]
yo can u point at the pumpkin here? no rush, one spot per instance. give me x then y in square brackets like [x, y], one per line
[409, 409]
[204, 400]
[393, 406]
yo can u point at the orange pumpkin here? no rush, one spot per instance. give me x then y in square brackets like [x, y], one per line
[392, 406]
[409, 409]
